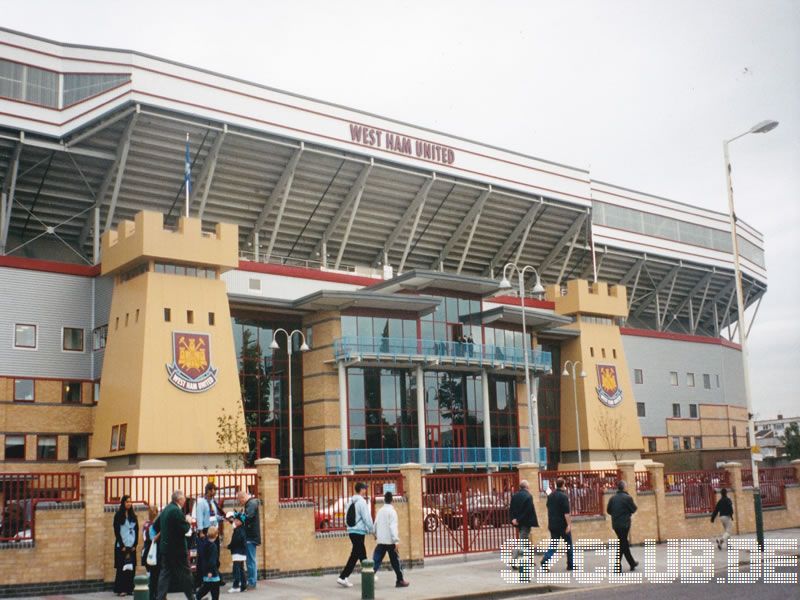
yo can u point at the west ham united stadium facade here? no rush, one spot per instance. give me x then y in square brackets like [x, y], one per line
[348, 262]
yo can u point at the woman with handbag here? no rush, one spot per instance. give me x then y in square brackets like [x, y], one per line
[150, 552]
[126, 535]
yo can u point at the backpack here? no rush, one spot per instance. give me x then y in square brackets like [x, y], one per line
[350, 518]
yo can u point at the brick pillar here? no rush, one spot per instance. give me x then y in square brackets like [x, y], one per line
[741, 502]
[268, 494]
[412, 545]
[627, 469]
[796, 463]
[93, 479]
[656, 471]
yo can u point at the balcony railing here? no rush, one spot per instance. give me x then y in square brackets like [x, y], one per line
[455, 353]
[448, 458]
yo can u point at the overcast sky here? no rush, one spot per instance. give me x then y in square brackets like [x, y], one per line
[641, 93]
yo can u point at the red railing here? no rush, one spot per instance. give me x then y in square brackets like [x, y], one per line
[698, 488]
[782, 474]
[606, 479]
[21, 492]
[585, 501]
[643, 481]
[330, 494]
[773, 493]
[156, 490]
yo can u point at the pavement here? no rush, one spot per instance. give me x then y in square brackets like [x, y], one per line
[479, 576]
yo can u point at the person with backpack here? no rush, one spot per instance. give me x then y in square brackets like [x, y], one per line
[359, 523]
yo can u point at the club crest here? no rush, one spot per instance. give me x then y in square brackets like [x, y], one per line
[608, 392]
[191, 369]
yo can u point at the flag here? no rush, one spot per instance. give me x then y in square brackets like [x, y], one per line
[187, 174]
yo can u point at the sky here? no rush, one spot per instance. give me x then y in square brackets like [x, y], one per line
[640, 93]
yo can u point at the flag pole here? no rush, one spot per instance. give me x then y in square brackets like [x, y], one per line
[187, 171]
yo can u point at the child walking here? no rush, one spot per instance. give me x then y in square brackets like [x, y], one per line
[238, 548]
[208, 565]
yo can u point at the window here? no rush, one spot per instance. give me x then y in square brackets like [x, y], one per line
[73, 338]
[733, 435]
[167, 315]
[28, 84]
[211, 318]
[116, 323]
[591, 351]
[24, 336]
[698, 443]
[80, 86]
[134, 272]
[640, 409]
[123, 433]
[127, 315]
[115, 438]
[99, 337]
[603, 352]
[254, 285]
[78, 447]
[673, 377]
[707, 381]
[136, 320]
[693, 411]
[46, 447]
[687, 443]
[71, 392]
[676, 411]
[676, 443]
[15, 447]
[651, 444]
[96, 392]
[690, 379]
[614, 352]
[23, 390]
[190, 317]
[638, 376]
[717, 377]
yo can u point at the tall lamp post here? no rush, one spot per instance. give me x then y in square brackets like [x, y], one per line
[762, 127]
[303, 348]
[572, 365]
[538, 289]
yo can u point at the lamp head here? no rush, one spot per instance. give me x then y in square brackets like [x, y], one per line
[538, 288]
[583, 374]
[274, 345]
[304, 347]
[764, 126]
[505, 284]
[565, 373]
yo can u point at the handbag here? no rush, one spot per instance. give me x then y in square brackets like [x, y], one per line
[152, 555]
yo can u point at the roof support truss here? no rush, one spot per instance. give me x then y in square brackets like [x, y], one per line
[355, 190]
[207, 173]
[356, 201]
[668, 279]
[414, 210]
[663, 318]
[471, 218]
[569, 254]
[523, 228]
[7, 197]
[284, 183]
[556, 250]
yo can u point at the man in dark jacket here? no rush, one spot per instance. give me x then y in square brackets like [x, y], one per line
[252, 531]
[559, 523]
[724, 509]
[523, 514]
[621, 506]
[173, 526]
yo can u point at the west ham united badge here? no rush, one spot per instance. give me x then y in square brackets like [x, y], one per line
[608, 391]
[191, 369]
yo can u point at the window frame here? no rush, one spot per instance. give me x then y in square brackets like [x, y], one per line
[113, 446]
[33, 395]
[70, 437]
[67, 382]
[35, 337]
[24, 447]
[39, 437]
[99, 338]
[641, 413]
[706, 381]
[676, 414]
[64, 339]
[696, 412]
[690, 380]
[638, 376]
[674, 380]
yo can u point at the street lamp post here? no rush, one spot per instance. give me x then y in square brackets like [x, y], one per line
[533, 413]
[303, 348]
[762, 127]
[573, 365]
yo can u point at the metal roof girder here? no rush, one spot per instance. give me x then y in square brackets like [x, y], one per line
[207, 173]
[556, 250]
[359, 192]
[287, 175]
[415, 208]
[471, 218]
[7, 200]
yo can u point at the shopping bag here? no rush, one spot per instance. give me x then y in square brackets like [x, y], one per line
[152, 555]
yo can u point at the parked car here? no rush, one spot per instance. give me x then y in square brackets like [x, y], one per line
[481, 510]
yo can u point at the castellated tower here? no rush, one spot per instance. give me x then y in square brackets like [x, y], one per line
[609, 426]
[170, 366]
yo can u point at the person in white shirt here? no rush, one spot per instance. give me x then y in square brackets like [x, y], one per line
[388, 537]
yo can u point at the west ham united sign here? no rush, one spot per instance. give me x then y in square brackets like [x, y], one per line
[191, 369]
[608, 391]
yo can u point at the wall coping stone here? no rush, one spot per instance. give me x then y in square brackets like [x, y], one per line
[18, 545]
[60, 505]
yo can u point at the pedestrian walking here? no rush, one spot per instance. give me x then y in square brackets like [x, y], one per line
[621, 506]
[208, 565]
[724, 509]
[252, 530]
[359, 524]
[523, 514]
[207, 514]
[238, 548]
[173, 525]
[387, 536]
[150, 537]
[126, 536]
[559, 523]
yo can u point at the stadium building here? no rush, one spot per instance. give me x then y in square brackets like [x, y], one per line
[127, 328]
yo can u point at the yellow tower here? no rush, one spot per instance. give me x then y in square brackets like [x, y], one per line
[608, 422]
[170, 366]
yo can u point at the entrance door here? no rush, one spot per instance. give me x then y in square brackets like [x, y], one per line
[433, 442]
[459, 444]
[266, 444]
